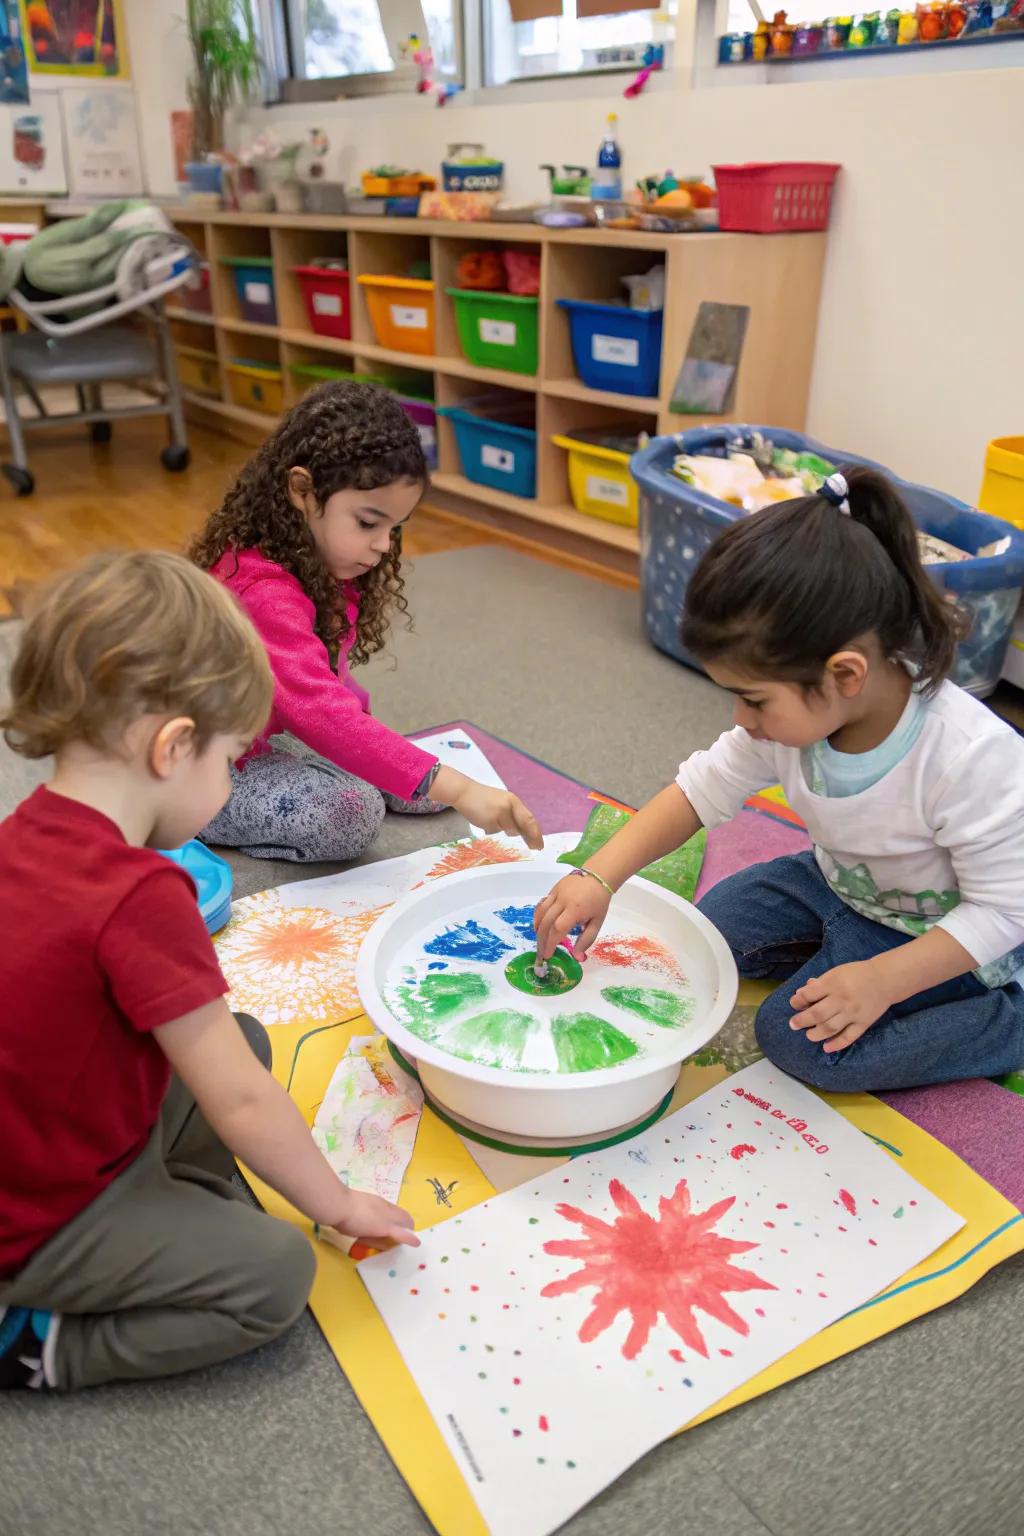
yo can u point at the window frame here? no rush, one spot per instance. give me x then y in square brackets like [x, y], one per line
[400, 81]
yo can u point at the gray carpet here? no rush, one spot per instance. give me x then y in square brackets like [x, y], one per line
[917, 1435]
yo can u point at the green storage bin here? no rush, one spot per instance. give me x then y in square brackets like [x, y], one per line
[497, 330]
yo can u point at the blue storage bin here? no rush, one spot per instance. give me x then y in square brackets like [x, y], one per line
[615, 347]
[212, 878]
[254, 279]
[500, 454]
[678, 523]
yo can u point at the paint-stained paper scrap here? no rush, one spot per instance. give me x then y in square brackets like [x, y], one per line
[366, 1126]
[559, 1331]
[456, 749]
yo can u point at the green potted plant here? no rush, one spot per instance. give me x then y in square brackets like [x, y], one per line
[226, 67]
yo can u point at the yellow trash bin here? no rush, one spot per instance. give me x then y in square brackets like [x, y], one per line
[1002, 485]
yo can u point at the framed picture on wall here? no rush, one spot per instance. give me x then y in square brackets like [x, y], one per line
[13, 64]
[32, 147]
[75, 37]
[102, 142]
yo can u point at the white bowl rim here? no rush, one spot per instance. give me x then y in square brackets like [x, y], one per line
[545, 1082]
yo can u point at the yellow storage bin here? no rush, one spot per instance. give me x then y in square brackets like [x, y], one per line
[257, 386]
[1002, 486]
[599, 480]
[198, 370]
[401, 313]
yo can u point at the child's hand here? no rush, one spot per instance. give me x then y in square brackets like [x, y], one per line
[373, 1219]
[497, 810]
[842, 1005]
[573, 903]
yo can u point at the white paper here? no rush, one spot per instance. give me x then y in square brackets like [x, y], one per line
[408, 319]
[327, 303]
[103, 142]
[367, 1122]
[560, 1331]
[615, 349]
[500, 333]
[613, 492]
[32, 146]
[455, 749]
[498, 458]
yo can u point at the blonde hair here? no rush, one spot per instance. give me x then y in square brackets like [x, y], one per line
[126, 635]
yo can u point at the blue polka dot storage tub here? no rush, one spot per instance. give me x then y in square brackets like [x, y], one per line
[615, 348]
[678, 523]
[497, 442]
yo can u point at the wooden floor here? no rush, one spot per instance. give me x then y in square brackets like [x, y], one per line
[91, 497]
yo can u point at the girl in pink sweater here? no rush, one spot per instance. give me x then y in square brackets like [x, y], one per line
[309, 539]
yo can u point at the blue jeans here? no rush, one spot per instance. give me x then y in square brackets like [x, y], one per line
[783, 920]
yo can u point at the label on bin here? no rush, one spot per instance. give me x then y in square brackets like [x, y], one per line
[500, 333]
[615, 349]
[258, 293]
[327, 303]
[612, 492]
[498, 458]
[407, 319]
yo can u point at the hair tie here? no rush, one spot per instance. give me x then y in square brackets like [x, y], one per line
[836, 490]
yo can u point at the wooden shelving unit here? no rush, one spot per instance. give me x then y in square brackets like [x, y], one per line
[779, 278]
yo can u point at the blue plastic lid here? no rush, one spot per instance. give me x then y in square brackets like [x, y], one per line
[212, 877]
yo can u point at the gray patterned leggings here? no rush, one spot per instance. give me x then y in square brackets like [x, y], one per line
[295, 805]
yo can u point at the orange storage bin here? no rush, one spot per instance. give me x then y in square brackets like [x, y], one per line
[401, 312]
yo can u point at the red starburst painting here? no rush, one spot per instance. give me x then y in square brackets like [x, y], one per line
[674, 1264]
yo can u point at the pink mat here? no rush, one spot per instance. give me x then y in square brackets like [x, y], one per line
[978, 1120]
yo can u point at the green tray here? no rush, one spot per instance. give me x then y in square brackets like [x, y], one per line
[497, 330]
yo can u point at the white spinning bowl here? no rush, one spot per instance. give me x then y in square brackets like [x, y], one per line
[555, 1105]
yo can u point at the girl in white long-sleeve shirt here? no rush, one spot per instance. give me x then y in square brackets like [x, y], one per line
[900, 936]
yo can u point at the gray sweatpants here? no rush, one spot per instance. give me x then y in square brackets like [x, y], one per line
[290, 803]
[169, 1268]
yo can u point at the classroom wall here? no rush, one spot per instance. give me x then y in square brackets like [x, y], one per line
[922, 320]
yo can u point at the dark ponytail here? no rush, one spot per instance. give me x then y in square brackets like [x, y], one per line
[785, 589]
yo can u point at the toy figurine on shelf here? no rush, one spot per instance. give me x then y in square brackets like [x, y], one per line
[653, 60]
[422, 56]
[782, 35]
[761, 41]
[906, 32]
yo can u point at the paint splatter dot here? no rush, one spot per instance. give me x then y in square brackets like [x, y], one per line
[542, 1423]
[474, 1287]
[482, 1375]
[503, 1410]
[848, 1201]
[677, 1355]
[872, 1242]
[782, 1206]
[571, 1465]
[392, 1273]
[442, 1316]
[540, 1461]
[726, 1352]
[462, 1347]
[413, 1291]
[759, 1311]
[740, 1150]
[898, 1212]
[516, 1381]
[534, 1220]
[687, 1382]
[517, 1433]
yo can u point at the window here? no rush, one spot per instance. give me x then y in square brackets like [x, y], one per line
[522, 41]
[332, 39]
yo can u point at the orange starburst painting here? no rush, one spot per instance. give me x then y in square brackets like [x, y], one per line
[290, 965]
[471, 855]
[674, 1264]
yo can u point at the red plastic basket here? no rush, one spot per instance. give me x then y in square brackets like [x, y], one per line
[774, 198]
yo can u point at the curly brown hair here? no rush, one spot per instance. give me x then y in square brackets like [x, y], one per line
[347, 436]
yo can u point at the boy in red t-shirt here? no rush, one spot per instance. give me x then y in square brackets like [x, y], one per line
[125, 1251]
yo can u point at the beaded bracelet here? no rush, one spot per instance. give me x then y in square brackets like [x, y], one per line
[595, 876]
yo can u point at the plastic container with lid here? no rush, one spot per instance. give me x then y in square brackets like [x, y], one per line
[401, 312]
[325, 290]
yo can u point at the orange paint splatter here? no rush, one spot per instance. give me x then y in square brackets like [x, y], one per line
[483, 850]
[639, 954]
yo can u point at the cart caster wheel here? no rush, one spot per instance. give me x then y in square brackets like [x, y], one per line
[22, 481]
[101, 431]
[175, 458]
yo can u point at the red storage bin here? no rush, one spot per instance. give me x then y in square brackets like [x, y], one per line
[775, 198]
[328, 305]
[197, 299]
